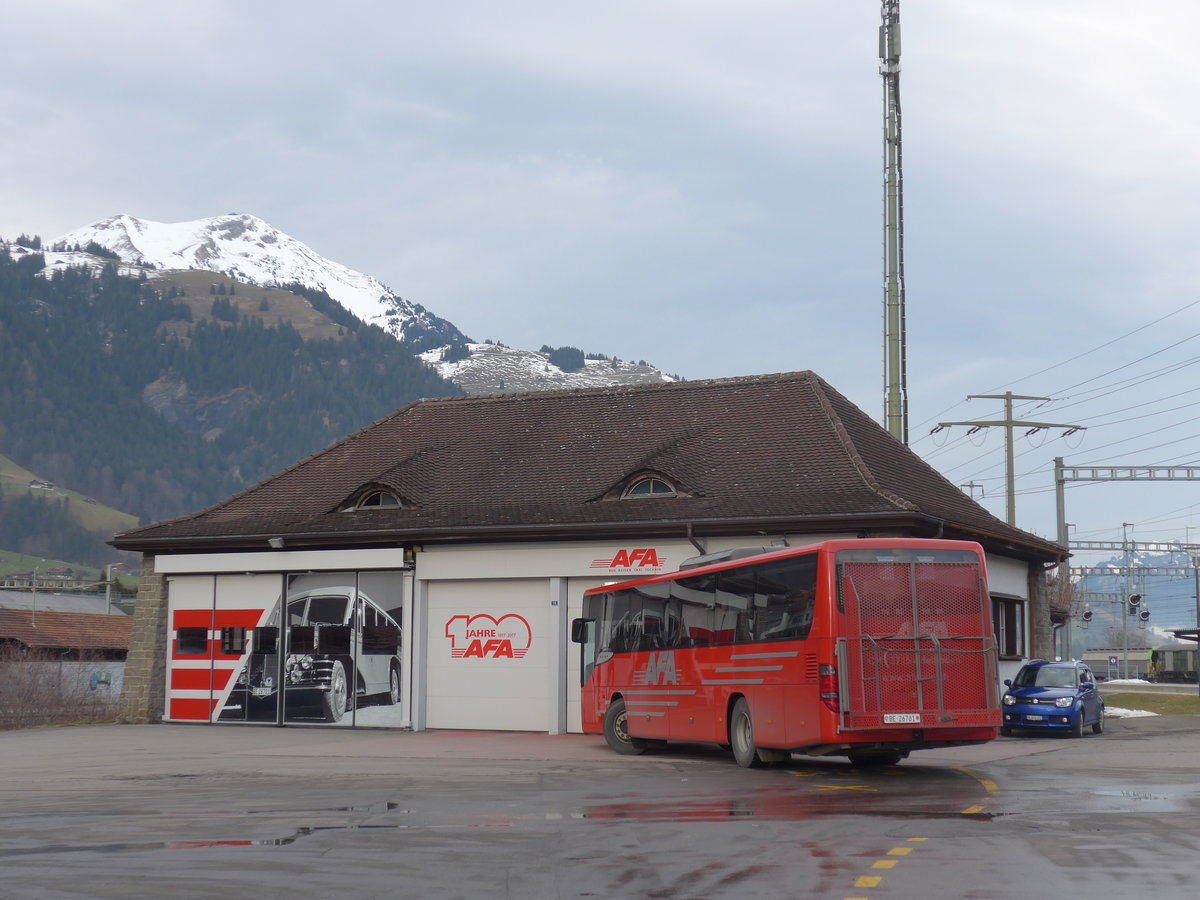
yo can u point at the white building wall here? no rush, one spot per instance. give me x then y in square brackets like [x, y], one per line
[458, 589]
[1010, 578]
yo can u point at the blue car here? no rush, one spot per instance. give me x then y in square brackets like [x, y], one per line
[1053, 696]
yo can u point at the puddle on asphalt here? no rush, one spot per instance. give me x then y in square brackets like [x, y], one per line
[835, 799]
[1154, 798]
[724, 811]
[140, 846]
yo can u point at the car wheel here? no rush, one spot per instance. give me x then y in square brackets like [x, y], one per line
[1077, 725]
[1005, 731]
[615, 732]
[1098, 725]
[394, 684]
[741, 735]
[333, 701]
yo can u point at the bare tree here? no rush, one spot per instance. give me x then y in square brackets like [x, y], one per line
[43, 687]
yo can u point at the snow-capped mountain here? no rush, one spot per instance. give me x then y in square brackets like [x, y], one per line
[246, 248]
[496, 369]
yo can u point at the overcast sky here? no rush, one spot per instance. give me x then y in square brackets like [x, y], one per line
[697, 184]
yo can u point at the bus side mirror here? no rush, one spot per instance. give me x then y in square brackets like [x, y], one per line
[579, 630]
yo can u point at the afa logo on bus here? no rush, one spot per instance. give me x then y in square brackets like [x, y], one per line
[638, 558]
[485, 637]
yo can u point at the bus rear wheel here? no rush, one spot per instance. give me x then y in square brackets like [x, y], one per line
[741, 735]
[615, 733]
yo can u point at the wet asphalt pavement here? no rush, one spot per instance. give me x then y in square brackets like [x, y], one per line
[226, 812]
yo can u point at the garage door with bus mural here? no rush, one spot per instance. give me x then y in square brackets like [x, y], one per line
[318, 648]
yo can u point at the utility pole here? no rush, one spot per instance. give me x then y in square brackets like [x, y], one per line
[1125, 526]
[970, 488]
[1009, 423]
[895, 401]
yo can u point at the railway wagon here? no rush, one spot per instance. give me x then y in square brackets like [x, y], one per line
[1176, 663]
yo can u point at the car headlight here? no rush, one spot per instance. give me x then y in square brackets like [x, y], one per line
[1009, 700]
[1064, 702]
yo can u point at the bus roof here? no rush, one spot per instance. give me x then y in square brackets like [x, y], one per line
[736, 559]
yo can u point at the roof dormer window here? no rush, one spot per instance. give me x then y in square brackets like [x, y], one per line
[648, 488]
[374, 499]
[379, 498]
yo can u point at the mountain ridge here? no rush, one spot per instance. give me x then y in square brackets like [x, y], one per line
[248, 249]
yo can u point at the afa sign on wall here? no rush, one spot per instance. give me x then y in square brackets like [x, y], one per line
[482, 636]
[632, 561]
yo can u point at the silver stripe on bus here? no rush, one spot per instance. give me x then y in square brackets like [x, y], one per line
[640, 703]
[781, 655]
[707, 681]
[647, 713]
[661, 693]
[749, 668]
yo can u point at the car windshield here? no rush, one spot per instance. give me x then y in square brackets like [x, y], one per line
[1046, 676]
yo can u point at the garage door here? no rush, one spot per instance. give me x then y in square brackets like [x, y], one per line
[489, 657]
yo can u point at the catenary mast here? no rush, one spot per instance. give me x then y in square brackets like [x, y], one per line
[895, 404]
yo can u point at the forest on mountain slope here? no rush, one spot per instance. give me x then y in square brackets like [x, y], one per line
[112, 387]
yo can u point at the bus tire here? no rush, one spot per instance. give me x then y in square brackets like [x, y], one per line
[393, 693]
[336, 700]
[615, 732]
[741, 735]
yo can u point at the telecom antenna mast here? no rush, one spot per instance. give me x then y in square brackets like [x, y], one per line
[895, 403]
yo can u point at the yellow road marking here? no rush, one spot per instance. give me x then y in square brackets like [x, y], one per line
[918, 840]
[884, 864]
[868, 881]
[972, 810]
[900, 851]
[847, 787]
[987, 783]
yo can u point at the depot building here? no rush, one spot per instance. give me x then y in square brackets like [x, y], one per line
[423, 572]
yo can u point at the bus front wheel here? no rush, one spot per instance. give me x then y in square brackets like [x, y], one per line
[741, 735]
[615, 733]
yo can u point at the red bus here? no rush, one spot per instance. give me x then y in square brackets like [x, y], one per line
[861, 648]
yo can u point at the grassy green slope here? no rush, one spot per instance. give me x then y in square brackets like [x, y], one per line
[92, 515]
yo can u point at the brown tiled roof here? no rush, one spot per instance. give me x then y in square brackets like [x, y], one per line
[782, 451]
[64, 630]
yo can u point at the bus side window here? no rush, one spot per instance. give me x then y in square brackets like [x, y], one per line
[735, 609]
[624, 631]
[790, 587]
[660, 624]
[695, 599]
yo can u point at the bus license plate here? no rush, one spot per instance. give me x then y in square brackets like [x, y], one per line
[901, 718]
